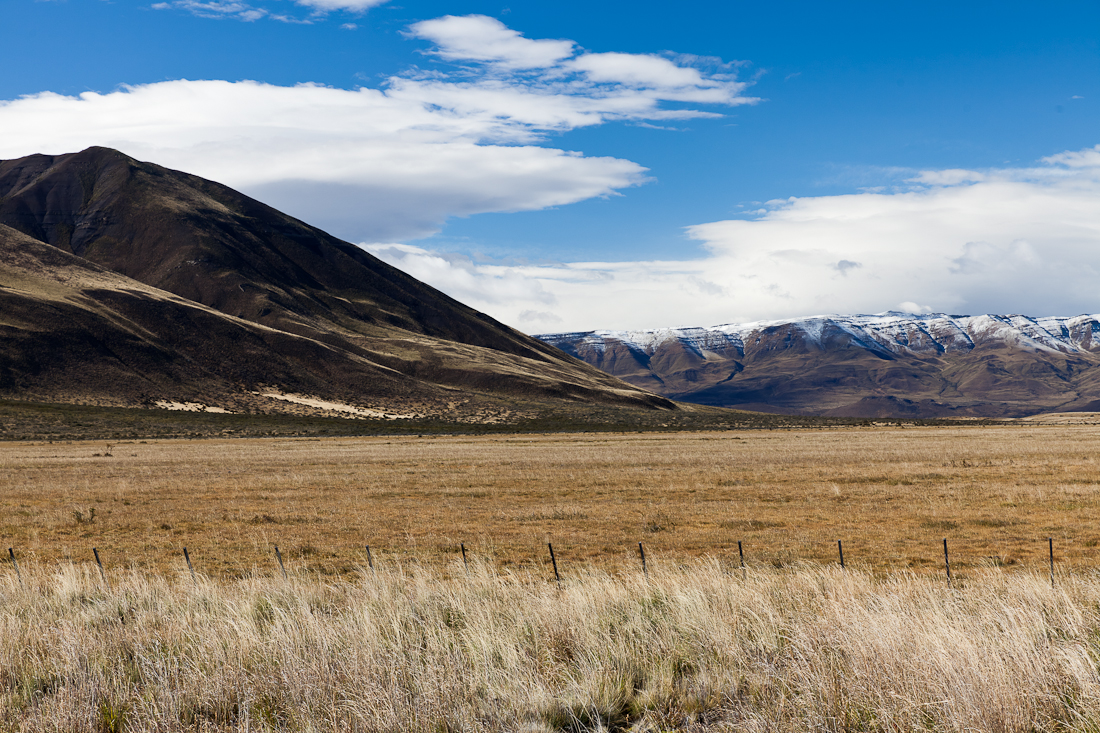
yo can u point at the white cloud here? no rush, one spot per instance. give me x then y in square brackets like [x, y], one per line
[949, 177]
[368, 164]
[247, 12]
[631, 85]
[481, 38]
[1087, 158]
[1005, 241]
[215, 9]
[478, 285]
[356, 6]
[670, 80]
[387, 163]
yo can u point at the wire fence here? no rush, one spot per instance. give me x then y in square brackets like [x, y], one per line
[553, 557]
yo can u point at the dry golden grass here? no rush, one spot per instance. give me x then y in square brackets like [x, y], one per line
[891, 494]
[693, 647]
[418, 644]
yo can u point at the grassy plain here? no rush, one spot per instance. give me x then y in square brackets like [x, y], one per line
[891, 494]
[793, 643]
[691, 648]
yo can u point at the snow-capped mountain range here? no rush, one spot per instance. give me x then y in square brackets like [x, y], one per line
[861, 364]
[898, 333]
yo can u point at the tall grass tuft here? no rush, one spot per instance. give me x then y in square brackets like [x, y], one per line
[409, 649]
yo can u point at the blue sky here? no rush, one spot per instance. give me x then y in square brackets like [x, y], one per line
[640, 176]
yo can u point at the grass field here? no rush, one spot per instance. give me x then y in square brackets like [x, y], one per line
[689, 648]
[891, 494]
[421, 643]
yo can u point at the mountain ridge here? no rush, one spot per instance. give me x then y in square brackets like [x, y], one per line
[1058, 333]
[282, 305]
[864, 365]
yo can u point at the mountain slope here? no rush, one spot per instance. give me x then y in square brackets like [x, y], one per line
[73, 331]
[333, 320]
[862, 366]
[211, 244]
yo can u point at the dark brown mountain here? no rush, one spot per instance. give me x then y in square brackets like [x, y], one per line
[124, 283]
[886, 365]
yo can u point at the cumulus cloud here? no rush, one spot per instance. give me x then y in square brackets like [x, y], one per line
[1005, 241]
[384, 163]
[481, 38]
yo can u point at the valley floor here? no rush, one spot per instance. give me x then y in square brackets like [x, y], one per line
[409, 638]
[996, 493]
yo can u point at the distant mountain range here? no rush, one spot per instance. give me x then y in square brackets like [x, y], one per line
[124, 283]
[887, 364]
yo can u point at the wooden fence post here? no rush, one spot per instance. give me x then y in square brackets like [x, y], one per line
[102, 572]
[370, 561]
[190, 567]
[840, 549]
[465, 564]
[554, 561]
[947, 563]
[741, 553]
[641, 551]
[1050, 543]
[279, 557]
[11, 554]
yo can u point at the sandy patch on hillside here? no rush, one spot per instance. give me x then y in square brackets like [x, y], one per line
[336, 406]
[188, 406]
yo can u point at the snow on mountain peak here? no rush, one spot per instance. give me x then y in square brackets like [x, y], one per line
[892, 331]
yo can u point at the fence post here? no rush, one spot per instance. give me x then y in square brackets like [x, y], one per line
[465, 564]
[641, 551]
[554, 560]
[1050, 543]
[370, 561]
[947, 563]
[741, 553]
[102, 572]
[190, 567]
[11, 554]
[840, 549]
[279, 557]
